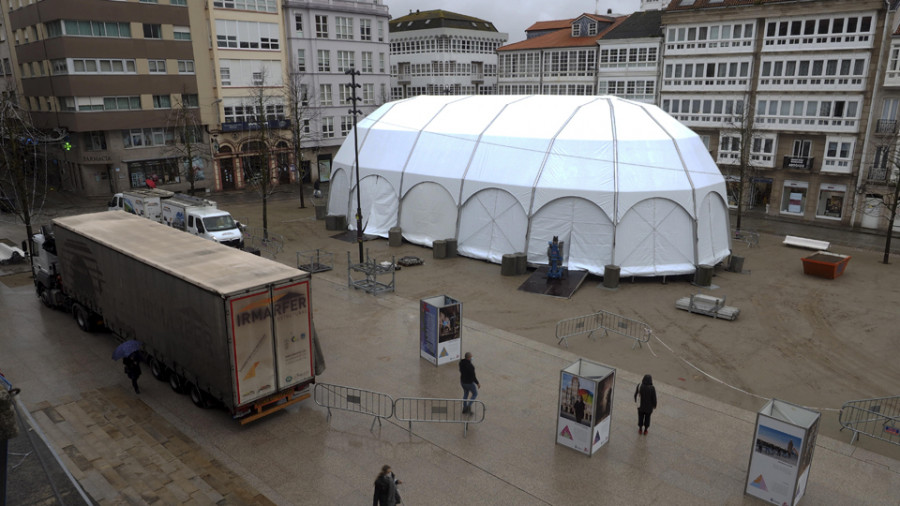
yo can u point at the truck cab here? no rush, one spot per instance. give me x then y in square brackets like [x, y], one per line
[216, 225]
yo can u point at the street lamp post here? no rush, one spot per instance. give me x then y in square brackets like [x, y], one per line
[353, 86]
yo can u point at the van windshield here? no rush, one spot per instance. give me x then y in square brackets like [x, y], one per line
[219, 223]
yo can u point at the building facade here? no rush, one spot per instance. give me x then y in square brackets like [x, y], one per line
[111, 75]
[443, 53]
[781, 93]
[325, 40]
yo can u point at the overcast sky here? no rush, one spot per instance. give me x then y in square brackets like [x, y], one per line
[513, 17]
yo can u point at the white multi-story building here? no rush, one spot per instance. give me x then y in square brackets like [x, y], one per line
[443, 53]
[325, 40]
[556, 58]
[793, 79]
[629, 58]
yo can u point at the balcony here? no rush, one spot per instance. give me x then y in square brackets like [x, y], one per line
[798, 162]
[886, 127]
[478, 78]
[881, 175]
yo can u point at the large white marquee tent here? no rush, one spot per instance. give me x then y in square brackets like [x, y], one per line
[620, 182]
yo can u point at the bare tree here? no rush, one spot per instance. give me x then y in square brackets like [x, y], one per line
[300, 115]
[263, 110]
[190, 150]
[744, 136]
[23, 161]
[884, 171]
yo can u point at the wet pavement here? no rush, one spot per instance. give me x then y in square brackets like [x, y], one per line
[158, 448]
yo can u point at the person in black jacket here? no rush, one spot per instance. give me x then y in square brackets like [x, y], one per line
[468, 381]
[386, 488]
[133, 369]
[647, 393]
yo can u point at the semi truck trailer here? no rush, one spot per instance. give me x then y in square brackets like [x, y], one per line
[228, 327]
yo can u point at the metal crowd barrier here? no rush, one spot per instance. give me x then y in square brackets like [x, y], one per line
[607, 322]
[315, 260]
[419, 409]
[878, 418]
[355, 400]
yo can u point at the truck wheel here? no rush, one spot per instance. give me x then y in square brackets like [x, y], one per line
[176, 382]
[158, 370]
[198, 397]
[81, 317]
[45, 298]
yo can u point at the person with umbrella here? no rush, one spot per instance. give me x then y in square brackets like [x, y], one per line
[130, 353]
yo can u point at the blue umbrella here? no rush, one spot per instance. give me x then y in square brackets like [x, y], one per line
[126, 348]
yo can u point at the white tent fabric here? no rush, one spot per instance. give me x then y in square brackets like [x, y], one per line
[621, 183]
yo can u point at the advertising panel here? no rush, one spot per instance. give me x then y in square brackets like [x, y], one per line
[775, 460]
[293, 343]
[440, 329]
[576, 412]
[252, 350]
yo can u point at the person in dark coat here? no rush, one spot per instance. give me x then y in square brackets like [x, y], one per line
[579, 409]
[386, 488]
[133, 369]
[468, 381]
[647, 394]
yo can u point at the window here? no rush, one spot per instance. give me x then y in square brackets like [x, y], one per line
[157, 66]
[248, 5]
[346, 125]
[95, 66]
[380, 31]
[729, 148]
[381, 62]
[258, 79]
[324, 60]
[162, 102]
[327, 127]
[838, 154]
[233, 34]
[365, 29]
[225, 74]
[182, 33]
[190, 100]
[301, 60]
[367, 62]
[141, 137]
[831, 200]
[95, 141]
[343, 27]
[801, 148]
[152, 31]
[298, 24]
[321, 26]
[304, 95]
[178, 2]
[325, 94]
[83, 28]
[185, 66]
[345, 60]
[793, 198]
[83, 104]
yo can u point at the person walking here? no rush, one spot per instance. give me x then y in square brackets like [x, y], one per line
[647, 393]
[133, 369]
[468, 381]
[386, 488]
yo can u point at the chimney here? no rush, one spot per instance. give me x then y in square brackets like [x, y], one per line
[609, 12]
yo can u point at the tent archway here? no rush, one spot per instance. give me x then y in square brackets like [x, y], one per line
[379, 204]
[481, 234]
[427, 213]
[655, 238]
[713, 230]
[587, 231]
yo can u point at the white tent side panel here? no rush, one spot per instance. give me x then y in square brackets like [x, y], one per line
[379, 206]
[339, 191]
[585, 229]
[427, 213]
[654, 239]
[491, 224]
[713, 230]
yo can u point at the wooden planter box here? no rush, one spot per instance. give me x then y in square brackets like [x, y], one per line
[825, 265]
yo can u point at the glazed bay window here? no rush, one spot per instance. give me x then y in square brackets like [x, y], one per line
[838, 155]
[729, 148]
[234, 34]
[762, 151]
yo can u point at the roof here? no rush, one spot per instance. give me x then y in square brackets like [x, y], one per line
[438, 18]
[563, 36]
[685, 5]
[550, 25]
[637, 25]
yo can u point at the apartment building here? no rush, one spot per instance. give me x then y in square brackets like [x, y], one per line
[438, 52]
[247, 52]
[629, 58]
[325, 40]
[556, 58]
[790, 80]
[110, 73]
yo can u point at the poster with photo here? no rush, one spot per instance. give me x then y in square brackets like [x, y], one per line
[440, 329]
[428, 338]
[602, 411]
[576, 412]
[775, 460]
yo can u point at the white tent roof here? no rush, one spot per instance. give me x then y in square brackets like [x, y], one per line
[621, 182]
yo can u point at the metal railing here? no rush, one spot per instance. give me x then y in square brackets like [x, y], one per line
[420, 409]
[605, 321]
[256, 237]
[751, 237]
[355, 400]
[878, 418]
[315, 260]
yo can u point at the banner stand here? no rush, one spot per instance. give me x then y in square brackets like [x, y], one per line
[782, 452]
[585, 406]
[440, 329]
